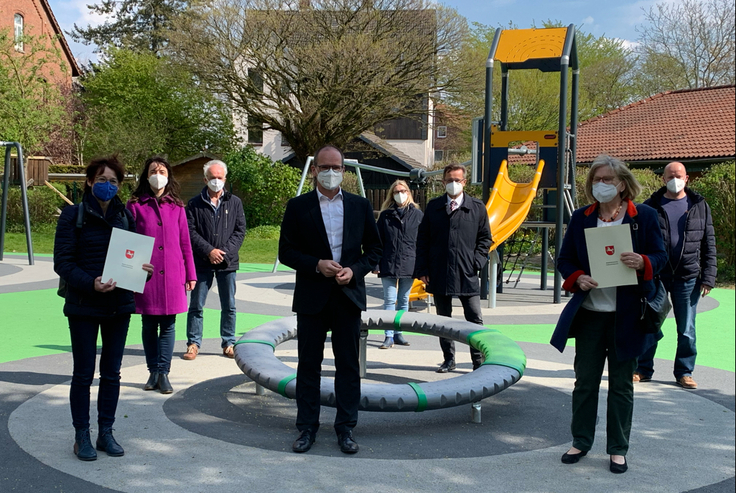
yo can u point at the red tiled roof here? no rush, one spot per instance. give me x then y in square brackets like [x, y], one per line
[690, 124]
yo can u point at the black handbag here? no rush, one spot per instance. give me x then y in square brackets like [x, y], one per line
[654, 309]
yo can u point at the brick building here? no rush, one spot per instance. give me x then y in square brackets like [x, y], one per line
[35, 18]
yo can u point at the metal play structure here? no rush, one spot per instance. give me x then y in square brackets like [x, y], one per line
[547, 50]
[24, 197]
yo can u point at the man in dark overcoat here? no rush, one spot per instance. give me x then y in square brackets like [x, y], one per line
[452, 247]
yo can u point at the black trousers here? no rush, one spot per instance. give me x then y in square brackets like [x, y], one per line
[342, 317]
[83, 332]
[471, 309]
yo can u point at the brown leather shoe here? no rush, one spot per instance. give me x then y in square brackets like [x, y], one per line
[229, 352]
[638, 377]
[687, 382]
[192, 352]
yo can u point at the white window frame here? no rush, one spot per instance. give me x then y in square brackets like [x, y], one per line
[442, 132]
[18, 24]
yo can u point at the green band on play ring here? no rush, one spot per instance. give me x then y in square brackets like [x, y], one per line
[397, 319]
[421, 397]
[283, 383]
[255, 341]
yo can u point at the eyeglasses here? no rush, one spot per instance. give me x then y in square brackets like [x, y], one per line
[604, 179]
[326, 167]
[456, 180]
[102, 179]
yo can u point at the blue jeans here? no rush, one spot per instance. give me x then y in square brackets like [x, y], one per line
[685, 296]
[83, 332]
[159, 348]
[391, 296]
[226, 288]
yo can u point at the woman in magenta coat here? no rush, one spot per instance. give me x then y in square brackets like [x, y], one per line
[159, 212]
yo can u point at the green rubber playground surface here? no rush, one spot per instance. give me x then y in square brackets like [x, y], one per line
[32, 324]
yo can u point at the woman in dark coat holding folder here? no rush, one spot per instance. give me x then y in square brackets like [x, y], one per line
[94, 305]
[603, 321]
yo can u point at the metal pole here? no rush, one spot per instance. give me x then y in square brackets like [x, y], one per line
[6, 185]
[562, 131]
[545, 255]
[24, 198]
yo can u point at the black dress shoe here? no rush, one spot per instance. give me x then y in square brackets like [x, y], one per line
[163, 384]
[573, 458]
[446, 366]
[346, 443]
[400, 341]
[152, 382]
[304, 442]
[619, 468]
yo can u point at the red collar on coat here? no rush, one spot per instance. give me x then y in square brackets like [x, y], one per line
[630, 208]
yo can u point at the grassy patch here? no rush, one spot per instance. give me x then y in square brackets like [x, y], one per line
[255, 250]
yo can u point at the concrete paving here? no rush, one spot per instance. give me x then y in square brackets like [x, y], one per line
[215, 434]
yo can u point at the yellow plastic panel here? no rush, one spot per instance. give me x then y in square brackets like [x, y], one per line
[509, 203]
[520, 45]
[543, 138]
[418, 291]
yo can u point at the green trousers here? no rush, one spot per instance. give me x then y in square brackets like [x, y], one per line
[594, 344]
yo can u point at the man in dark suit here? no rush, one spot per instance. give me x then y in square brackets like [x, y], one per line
[452, 246]
[330, 238]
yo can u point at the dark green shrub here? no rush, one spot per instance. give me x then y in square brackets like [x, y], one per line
[264, 186]
[43, 208]
[717, 186]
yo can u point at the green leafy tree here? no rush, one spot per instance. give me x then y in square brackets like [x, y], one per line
[717, 186]
[138, 104]
[687, 44]
[141, 25]
[326, 71]
[264, 186]
[31, 107]
[606, 71]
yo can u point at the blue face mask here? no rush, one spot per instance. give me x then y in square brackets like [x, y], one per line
[104, 191]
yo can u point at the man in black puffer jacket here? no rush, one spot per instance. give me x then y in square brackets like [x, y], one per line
[687, 229]
[217, 229]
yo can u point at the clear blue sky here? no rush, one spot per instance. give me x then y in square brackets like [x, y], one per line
[616, 19]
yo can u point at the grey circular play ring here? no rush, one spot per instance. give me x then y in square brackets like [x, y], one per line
[503, 366]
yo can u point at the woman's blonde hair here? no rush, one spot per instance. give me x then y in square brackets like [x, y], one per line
[620, 170]
[390, 196]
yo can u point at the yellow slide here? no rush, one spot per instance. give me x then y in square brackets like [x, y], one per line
[507, 208]
[509, 203]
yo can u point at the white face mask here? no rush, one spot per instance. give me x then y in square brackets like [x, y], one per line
[604, 192]
[400, 198]
[329, 179]
[157, 181]
[454, 188]
[216, 184]
[675, 185]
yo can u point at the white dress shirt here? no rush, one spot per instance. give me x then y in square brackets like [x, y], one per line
[333, 213]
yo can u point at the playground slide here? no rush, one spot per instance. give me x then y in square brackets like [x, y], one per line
[507, 208]
[509, 203]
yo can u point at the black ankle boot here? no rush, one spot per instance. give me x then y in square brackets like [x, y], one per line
[163, 384]
[83, 448]
[106, 443]
[152, 382]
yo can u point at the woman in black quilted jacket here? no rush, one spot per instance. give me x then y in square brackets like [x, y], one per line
[93, 305]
